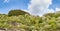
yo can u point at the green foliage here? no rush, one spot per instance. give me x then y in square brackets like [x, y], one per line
[49, 22]
[49, 14]
[17, 12]
[57, 14]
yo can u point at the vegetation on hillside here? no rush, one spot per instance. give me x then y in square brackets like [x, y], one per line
[26, 22]
[17, 12]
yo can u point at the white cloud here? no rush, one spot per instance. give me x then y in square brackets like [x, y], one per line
[57, 9]
[6, 1]
[46, 11]
[39, 7]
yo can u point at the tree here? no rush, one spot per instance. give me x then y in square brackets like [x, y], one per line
[17, 12]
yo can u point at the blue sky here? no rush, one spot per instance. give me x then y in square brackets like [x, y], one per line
[55, 3]
[6, 5]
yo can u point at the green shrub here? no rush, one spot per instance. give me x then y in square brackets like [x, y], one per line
[17, 12]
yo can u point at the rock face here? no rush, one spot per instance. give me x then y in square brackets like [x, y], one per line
[13, 29]
[2, 30]
[10, 30]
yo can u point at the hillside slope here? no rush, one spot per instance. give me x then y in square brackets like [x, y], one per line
[30, 23]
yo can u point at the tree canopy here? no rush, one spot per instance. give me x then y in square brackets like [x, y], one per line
[17, 12]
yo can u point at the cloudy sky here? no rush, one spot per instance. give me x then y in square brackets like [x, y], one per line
[34, 7]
